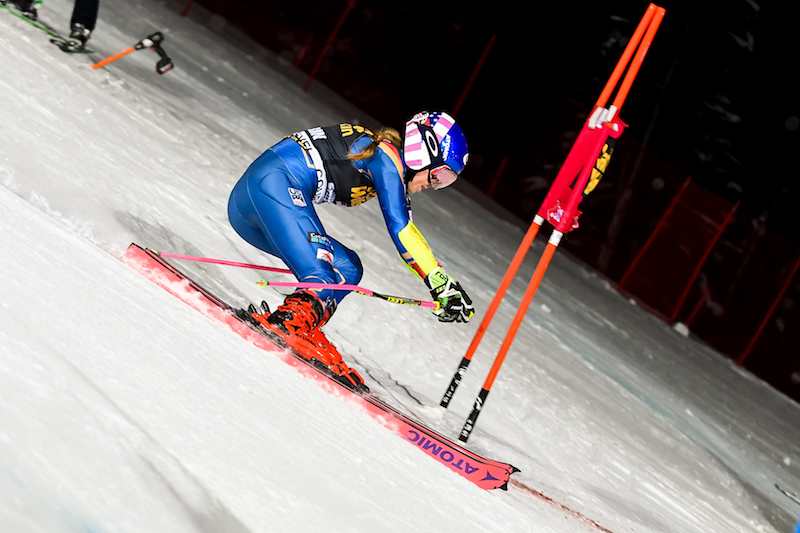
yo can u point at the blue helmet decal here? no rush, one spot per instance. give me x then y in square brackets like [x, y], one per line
[433, 139]
[454, 149]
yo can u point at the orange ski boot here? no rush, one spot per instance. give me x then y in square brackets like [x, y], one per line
[318, 343]
[297, 321]
[301, 311]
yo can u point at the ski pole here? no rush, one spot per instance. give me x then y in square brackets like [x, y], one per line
[108, 60]
[355, 288]
[152, 41]
[223, 262]
[304, 285]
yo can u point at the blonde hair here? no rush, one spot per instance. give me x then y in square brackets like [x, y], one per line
[383, 134]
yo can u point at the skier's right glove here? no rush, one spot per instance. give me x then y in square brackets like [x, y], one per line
[454, 304]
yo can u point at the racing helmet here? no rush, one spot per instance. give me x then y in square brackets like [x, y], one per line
[434, 141]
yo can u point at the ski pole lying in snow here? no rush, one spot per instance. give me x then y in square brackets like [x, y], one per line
[304, 285]
[583, 168]
[151, 41]
[355, 288]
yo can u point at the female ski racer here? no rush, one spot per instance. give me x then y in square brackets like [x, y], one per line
[272, 208]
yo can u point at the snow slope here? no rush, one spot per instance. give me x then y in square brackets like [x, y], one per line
[121, 409]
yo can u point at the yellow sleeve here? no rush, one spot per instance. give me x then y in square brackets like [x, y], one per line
[418, 255]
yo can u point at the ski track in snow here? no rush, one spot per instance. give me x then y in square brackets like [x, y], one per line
[122, 409]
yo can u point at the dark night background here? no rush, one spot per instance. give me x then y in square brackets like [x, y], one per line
[716, 100]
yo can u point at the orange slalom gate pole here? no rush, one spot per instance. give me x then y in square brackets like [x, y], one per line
[584, 170]
[538, 274]
[649, 25]
[600, 119]
[527, 241]
[113, 58]
[625, 58]
[638, 59]
[530, 292]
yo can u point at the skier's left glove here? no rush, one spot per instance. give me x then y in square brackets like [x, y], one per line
[454, 304]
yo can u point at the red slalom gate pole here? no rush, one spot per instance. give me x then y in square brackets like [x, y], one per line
[350, 5]
[702, 261]
[652, 237]
[497, 175]
[474, 74]
[186, 7]
[700, 301]
[772, 308]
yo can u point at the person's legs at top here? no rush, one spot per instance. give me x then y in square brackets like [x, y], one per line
[84, 19]
[27, 8]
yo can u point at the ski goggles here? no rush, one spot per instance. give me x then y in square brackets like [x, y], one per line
[441, 177]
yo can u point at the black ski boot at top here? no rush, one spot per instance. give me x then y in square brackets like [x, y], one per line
[80, 34]
[26, 6]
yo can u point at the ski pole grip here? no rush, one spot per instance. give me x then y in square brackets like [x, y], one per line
[150, 41]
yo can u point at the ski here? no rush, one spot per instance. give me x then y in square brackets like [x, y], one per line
[485, 473]
[70, 46]
[66, 45]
